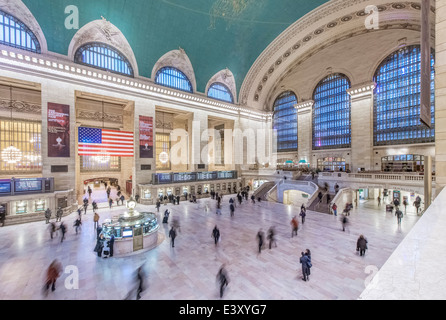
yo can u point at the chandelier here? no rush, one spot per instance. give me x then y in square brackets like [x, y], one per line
[164, 157]
[11, 154]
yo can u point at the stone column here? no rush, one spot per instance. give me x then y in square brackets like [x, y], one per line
[362, 126]
[304, 131]
[440, 95]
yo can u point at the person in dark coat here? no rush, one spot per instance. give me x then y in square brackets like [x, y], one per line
[305, 260]
[232, 208]
[59, 214]
[112, 242]
[48, 214]
[260, 239]
[216, 234]
[303, 214]
[172, 236]
[99, 245]
[361, 245]
[223, 279]
[63, 230]
[85, 207]
[272, 237]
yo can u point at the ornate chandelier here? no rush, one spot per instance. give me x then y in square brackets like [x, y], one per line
[164, 157]
[11, 154]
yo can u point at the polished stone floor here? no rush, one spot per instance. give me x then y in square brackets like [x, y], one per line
[188, 271]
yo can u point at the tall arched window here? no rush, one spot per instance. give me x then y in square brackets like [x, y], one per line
[285, 122]
[104, 57]
[332, 113]
[173, 78]
[220, 92]
[397, 100]
[15, 33]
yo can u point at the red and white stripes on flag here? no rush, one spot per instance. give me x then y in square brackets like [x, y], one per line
[104, 142]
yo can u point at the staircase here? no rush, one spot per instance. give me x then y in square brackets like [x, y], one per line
[264, 189]
[321, 206]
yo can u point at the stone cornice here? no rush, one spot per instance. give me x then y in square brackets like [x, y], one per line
[304, 106]
[362, 91]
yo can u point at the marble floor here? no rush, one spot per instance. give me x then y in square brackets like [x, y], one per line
[188, 271]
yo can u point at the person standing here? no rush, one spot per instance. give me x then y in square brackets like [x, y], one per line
[52, 274]
[89, 192]
[260, 239]
[99, 245]
[294, 226]
[52, 228]
[110, 202]
[223, 279]
[108, 192]
[85, 206]
[172, 236]
[335, 209]
[122, 199]
[112, 243]
[361, 245]
[306, 265]
[320, 195]
[232, 208]
[59, 214]
[303, 213]
[216, 234]
[48, 214]
[96, 220]
[158, 204]
[379, 201]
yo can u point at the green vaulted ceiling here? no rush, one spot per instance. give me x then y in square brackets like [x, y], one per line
[215, 34]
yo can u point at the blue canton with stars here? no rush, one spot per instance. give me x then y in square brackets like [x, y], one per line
[90, 135]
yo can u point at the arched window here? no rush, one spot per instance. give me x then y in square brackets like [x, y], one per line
[285, 122]
[102, 56]
[332, 113]
[220, 92]
[173, 78]
[15, 33]
[397, 100]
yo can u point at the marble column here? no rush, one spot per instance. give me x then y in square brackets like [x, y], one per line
[440, 95]
[362, 126]
[304, 131]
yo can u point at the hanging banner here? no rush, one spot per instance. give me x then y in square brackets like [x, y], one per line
[425, 106]
[58, 130]
[145, 137]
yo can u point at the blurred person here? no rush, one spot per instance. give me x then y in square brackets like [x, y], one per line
[85, 207]
[110, 202]
[306, 265]
[96, 220]
[272, 237]
[99, 245]
[399, 215]
[63, 230]
[294, 226]
[335, 209]
[52, 274]
[216, 234]
[59, 214]
[361, 245]
[260, 239]
[77, 224]
[112, 243]
[232, 209]
[303, 214]
[52, 229]
[223, 279]
[344, 221]
[158, 204]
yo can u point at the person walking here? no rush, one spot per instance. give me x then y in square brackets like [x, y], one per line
[96, 220]
[77, 224]
[399, 215]
[216, 234]
[328, 198]
[122, 199]
[232, 208]
[306, 265]
[108, 192]
[63, 230]
[79, 213]
[320, 195]
[260, 239]
[218, 208]
[253, 199]
[52, 274]
[52, 229]
[379, 201]
[172, 236]
[99, 245]
[303, 214]
[272, 237]
[294, 226]
[361, 245]
[140, 280]
[59, 214]
[158, 204]
[110, 202]
[223, 279]
[85, 206]
[48, 214]
[89, 191]
[344, 221]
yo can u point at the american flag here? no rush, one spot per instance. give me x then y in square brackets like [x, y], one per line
[98, 142]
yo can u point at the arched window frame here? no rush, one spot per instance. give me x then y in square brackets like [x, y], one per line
[121, 65]
[332, 113]
[226, 91]
[177, 81]
[22, 37]
[396, 106]
[284, 112]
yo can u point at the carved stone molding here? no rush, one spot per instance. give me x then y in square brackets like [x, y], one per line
[179, 60]
[21, 106]
[304, 106]
[163, 125]
[19, 10]
[301, 43]
[362, 91]
[103, 31]
[227, 78]
[99, 116]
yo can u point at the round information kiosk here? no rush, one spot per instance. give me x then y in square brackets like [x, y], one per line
[134, 231]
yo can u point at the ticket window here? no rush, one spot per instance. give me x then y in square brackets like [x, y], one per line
[199, 190]
[147, 194]
[169, 191]
[185, 190]
[223, 187]
[3, 209]
[160, 193]
[21, 207]
[206, 188]
[39, 205]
